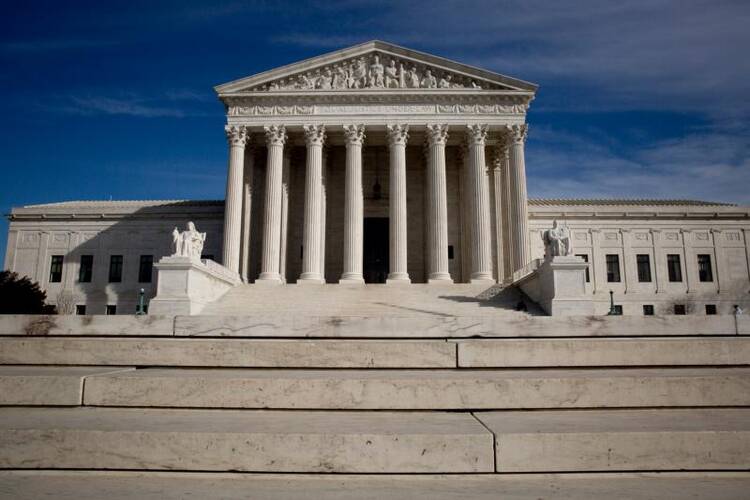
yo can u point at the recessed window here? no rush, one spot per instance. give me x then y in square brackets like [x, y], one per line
[643, 260]
[80, 309]
[648, 309]
[705, 273]
[145, 268]
[710, 309]
[585, 258]
[55, 269]
[115, 268]
[450, 252]
[86, 270]
[618, 310]
[613, 268]
[673, 268]
[679, 309]
[111, 310]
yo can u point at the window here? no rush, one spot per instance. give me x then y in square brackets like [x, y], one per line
[710, 309]
[80, 309]
[679, 309]
[115, 268]
[55, 269]
[111, 310]
[613, 268]
[648, 310]
[673, 268]
[644, 267]
[450, 252]
[585, 258]
[145, 268]
[86, 270]
[618, 310]
[705, 273]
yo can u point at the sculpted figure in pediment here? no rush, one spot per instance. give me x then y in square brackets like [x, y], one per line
[325, 80]
[340, 77]
[429, 81]
[412, 79]
[376, 73]
[445, 82]
[392, 79]
[359, 74]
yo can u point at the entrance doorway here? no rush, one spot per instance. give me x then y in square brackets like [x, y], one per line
[376, 246]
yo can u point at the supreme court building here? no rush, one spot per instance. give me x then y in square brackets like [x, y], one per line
[380, 164]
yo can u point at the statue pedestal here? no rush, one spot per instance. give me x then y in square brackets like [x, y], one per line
[185, 285]
[559, 287]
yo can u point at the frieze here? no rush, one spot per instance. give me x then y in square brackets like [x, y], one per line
[375, 108]
[374, 71]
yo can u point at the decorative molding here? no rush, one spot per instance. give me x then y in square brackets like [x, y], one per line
[476, 135]
[315, 135]
[517, 133]
[354, 134]
[236, 135]
[397, 134]
[437, 134]
[275, 135]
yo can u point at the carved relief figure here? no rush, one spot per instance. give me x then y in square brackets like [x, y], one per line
[376, 73]
[392, 80]
[359, 74]
[557, 241]
[445, 82]
[429, 81]
[340, 77]
[412, 80]
[188, 243]
[324, 82]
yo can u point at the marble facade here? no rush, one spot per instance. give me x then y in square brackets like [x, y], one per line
[381, 164]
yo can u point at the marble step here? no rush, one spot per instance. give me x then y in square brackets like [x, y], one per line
[376, 353]
[620, 440]
[45, 385]
[401, 324]
[420, 389]
[126, 485]
[297, 353]
[236, 440]
[581, 352]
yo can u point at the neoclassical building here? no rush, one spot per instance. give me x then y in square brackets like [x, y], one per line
[379, 164]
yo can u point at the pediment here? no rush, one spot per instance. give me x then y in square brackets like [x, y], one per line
[374, 66]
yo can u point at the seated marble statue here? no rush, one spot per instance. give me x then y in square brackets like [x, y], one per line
[188, 243]
[557, 241]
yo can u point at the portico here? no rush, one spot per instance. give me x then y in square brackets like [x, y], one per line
[434, 146]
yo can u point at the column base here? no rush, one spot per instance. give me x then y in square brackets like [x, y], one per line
[310, 280]
[440, 279]
[268, 279]
[482, 281]
[352, 280]
[398, 279]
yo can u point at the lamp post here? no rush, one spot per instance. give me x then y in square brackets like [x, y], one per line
[140, 310]
[612, 310]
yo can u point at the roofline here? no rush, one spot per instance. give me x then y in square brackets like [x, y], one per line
[380, 45]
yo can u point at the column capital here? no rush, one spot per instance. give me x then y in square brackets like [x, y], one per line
[437, 134]
[236, 135]
[397, 134]
[517, 133]
[354, 134]
[275, 135]
[476, 134]
[315, 135]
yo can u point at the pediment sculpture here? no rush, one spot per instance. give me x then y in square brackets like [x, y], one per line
[188, 243]
[557, 241]
[373, 71]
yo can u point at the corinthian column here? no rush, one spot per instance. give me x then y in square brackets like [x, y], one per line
[507, 215]
[437, 203]
[397, 137]
[284, 214]
[353, 206]
[519, 198]
[237, 137]
[479, 204]
[312, 231]
[275, 140]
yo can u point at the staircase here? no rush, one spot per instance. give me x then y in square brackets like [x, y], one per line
[375, 393]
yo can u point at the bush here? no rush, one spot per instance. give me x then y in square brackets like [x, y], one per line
[21, 295]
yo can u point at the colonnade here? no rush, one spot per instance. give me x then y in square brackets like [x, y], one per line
[508, 184]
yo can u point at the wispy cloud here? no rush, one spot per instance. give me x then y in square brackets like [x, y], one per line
[50, 45]
[179, 103]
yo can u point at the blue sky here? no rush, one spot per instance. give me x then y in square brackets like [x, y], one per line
[643, 98]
